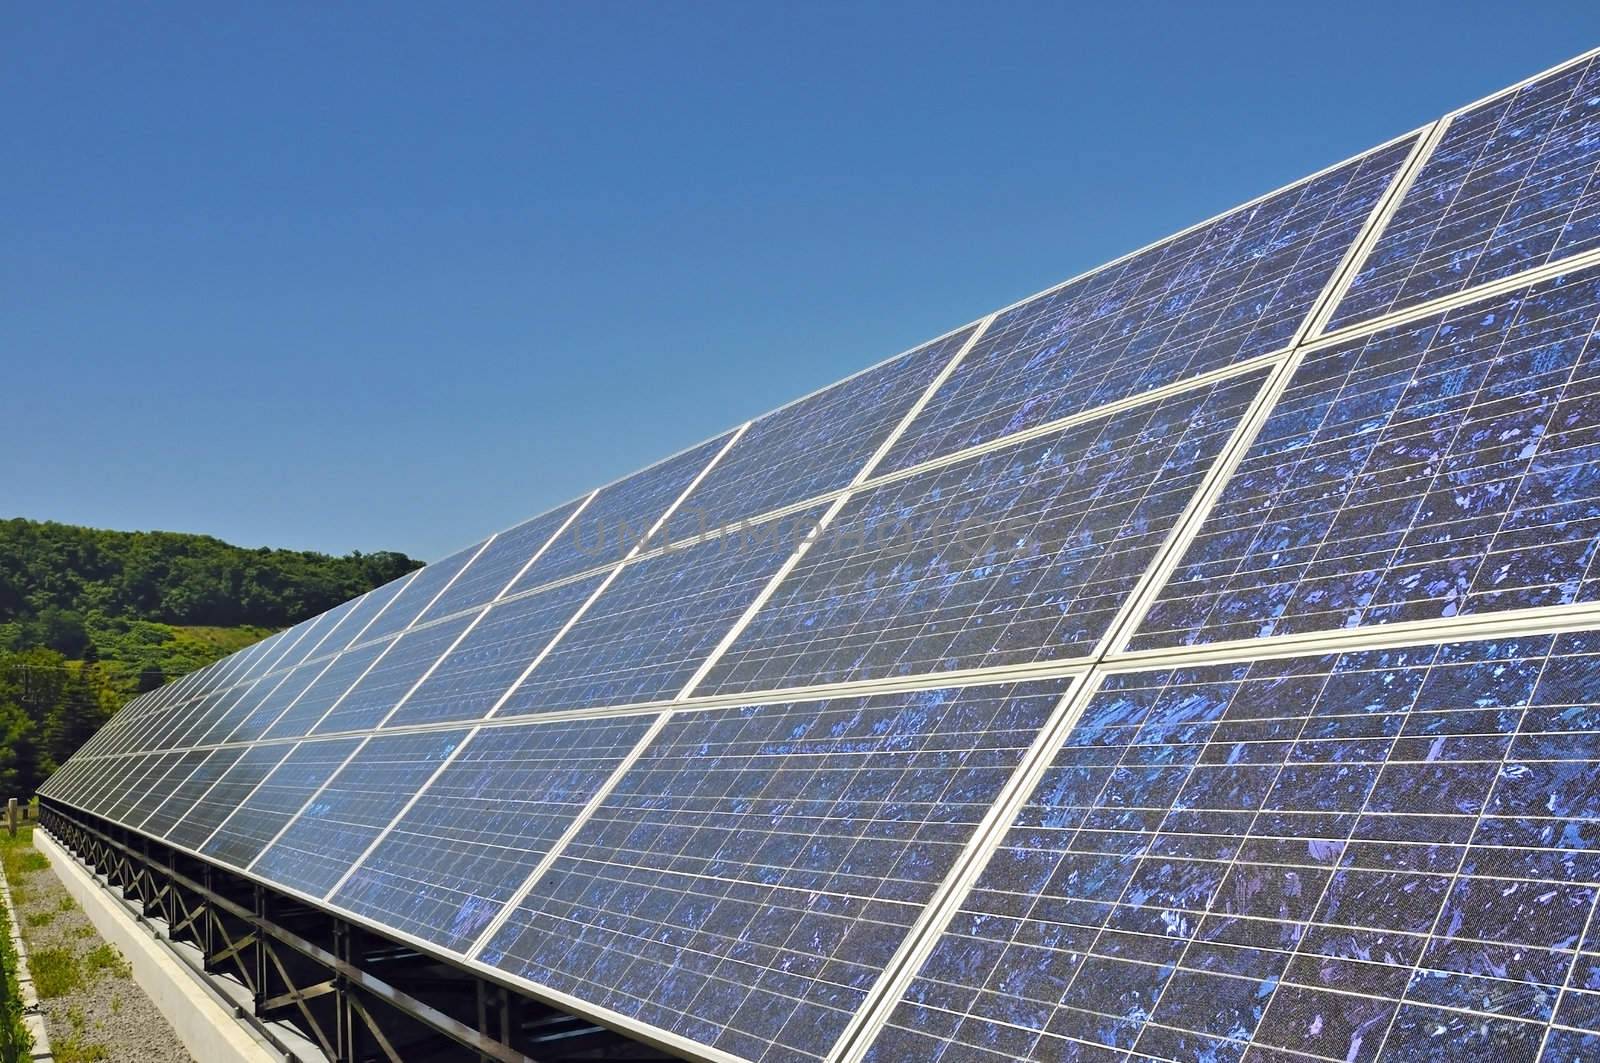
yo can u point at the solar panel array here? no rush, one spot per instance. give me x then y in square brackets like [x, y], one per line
[1198, 660]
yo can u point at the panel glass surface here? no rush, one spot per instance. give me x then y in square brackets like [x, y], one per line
[750, 876]
[818, 444]
[206, 769]
[366, 609]
[338, 675]
[1019, 555]
[236, 783]
[1386, 854]
[1430, 470]
[1232, 289]
[159, 791]
[646, 635]
[384, 686]
[458, 855]
[264, 810]
[483, 667]
[619, 516]
[338, 824]
[499, 564]
[1510, 187]
[270, 699]
[419, 594]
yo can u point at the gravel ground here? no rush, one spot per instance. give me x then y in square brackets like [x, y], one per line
[106, 1009]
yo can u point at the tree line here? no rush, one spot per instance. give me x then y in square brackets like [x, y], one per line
[49, 706]
[90, 617]
[58, 582]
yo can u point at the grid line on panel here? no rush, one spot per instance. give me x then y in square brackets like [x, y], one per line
[1430, 471]
[603, 791]
[1067, 523]
[862, 476]
[289, 820]
[1250, 426]
[410, 802]
[856, 1037]
[385, 830]
[572, 621]
[1235, 289]
[853, 1046]
[1510, 187]
[1492, 683]
[852, 810]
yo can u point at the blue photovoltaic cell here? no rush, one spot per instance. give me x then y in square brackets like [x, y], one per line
[269, 699]
[88, 793]
[160, 787]
[499, 564]
[1232, 289]
[752, 873]
[817, 444]
[409, 603]
[1386, 854]
[366, 609]
[1019, 555]
[338, 824]
[377, 693]
[337, 675]
[136, 786]
[458, 855]
[649, 631]
[484, 665]
[619, 516]
[263, 811]
[207, 768]
[1510, 187]
[230, 709]
[244, 699]
[237, 782]
[315, 644]
[1433, 469]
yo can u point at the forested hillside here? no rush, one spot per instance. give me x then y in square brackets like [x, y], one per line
[88, 618]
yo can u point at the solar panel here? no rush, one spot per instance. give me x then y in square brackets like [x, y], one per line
[486, 664]
[211, 806]
[1428, 470]
[266, 808]
[1197, 661]
[618, 516]
[1341, 856]
[204, 769]
[755, 869]
[333, 680]
[503, 560]
[1233, 288]
[1017, 555]
[648, 632]
[338, 822]
[382, 687]
[429, 583]
[458, 855]
[1510, 187]
[817, 444]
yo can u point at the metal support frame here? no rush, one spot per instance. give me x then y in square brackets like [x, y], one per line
[357, 995]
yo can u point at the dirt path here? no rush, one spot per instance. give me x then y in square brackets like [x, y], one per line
[93, 1008]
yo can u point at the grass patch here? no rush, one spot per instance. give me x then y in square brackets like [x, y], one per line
[16, 1043]
[76, 1050]
[39, 918]
[56, 972]
[105, 959]
[67, 905]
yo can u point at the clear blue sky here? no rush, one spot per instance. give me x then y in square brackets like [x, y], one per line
[394, 276]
